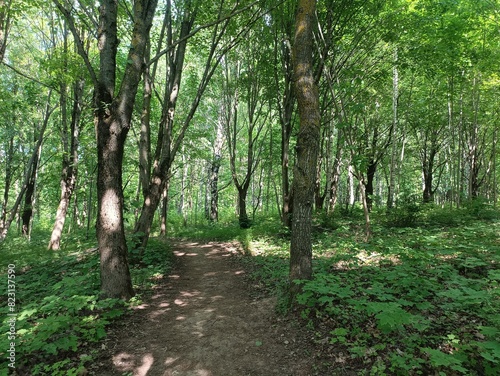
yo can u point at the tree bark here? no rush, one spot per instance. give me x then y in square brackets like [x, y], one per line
[243, 219]
[285, 104]
[164, 211]
[370, 177]
[112, 118]
[164, 154]
[30, 166]
[29, 195]
[70, 162]
[214, 190]
[8, 179]
[5, 24]
[307, 145]
[395, 99]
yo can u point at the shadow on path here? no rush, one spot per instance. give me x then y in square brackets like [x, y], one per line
[202, 321]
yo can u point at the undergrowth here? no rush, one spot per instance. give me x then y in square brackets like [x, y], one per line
[418, 300]
[59, 317]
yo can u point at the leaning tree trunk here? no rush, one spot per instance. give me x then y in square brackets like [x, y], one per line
[31, 165]
[307, 145]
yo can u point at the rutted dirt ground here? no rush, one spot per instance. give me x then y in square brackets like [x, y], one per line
[203, 321]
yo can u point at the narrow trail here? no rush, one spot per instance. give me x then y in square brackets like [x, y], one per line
[202, 321]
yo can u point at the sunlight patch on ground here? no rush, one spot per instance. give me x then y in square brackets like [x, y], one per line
[262, 247]
[170, 360]
[181, 254]
[141, 306]
[124, 361]
[147, 362]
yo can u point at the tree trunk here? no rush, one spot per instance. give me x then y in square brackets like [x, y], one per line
[307, 145]
[70, 165]
[163, 152]
[29, 196]
[395, 98]
[164, 210]
[214, 169]
[335, 178]
[112, 118]
[366, 210]
[370, 177]
[5, 24]
[8, 179]
[115, 275]
[30, 167]
[243, 219]
[214, 190]
[428, 196]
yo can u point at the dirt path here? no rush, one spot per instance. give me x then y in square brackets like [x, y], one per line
[202, 321]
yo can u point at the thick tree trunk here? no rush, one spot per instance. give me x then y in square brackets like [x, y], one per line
[115, 275]
[307, 145]
[428, 156]
[112, 118]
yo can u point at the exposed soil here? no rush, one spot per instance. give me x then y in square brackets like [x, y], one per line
[202, 320]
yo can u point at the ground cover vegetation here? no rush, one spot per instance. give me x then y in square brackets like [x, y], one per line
[419, 299]
[349, 146]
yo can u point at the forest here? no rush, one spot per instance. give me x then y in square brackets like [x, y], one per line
[346, 148]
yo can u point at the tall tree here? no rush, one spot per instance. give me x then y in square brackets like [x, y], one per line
[169, 142]
[28, 182]
[70, 132]
[112, 119]
[307, 147]
[285, 99]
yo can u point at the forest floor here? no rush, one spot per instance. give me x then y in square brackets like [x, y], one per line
[205, 319]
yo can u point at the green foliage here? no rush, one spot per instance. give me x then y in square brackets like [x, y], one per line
[59, 312]
[415, 300]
